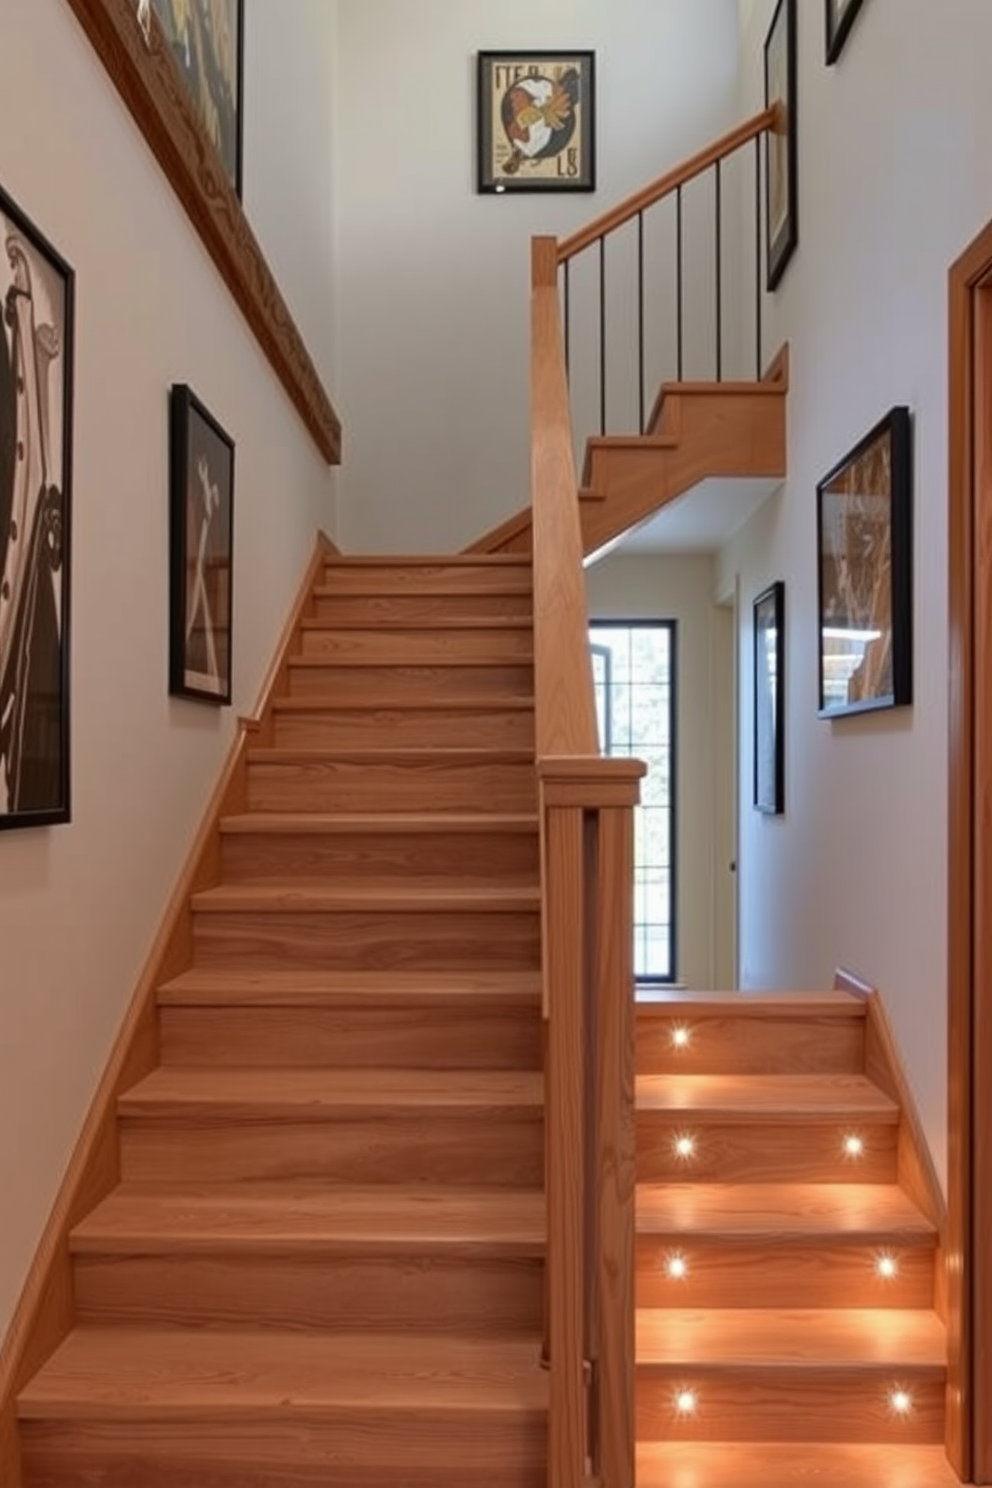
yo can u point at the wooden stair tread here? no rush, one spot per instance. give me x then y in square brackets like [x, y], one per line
[714, 1098]
[387, 658]
[383, 623]
[329, 824]
[385, 989]
[869, 1212]
[360, 755]
[667, 1002]
[320, 1093]
[381, 1219]
[332, 702]
[118, 1372]
[431, 560]
[302, 895]
[811, 1464]
[807, 1338]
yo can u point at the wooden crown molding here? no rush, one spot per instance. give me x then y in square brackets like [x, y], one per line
[149, 83]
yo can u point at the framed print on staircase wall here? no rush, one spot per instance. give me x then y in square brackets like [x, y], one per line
[840, 18]
[781, 159]
[536, 121]
[206, 39]
[769, 700]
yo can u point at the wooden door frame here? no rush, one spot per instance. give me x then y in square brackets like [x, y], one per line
[969, 1264]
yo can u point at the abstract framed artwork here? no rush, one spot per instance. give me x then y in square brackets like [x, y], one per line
[769, 700]
[864, 564]
[841, 15]
[536, 121]
[201, 525]
[781, 144]
[36, 394]
[206, 38]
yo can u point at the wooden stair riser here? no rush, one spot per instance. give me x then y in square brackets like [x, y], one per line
[262, 1288]
[442, 1146]
[492, 726]
[748, 1045]
[742, 1149]
[354, 855]
[354, 1449]
[377, 1038]
[341, 785]
[789, 1404]
[783, 1272]
[368, 684]
[440, 646]
[510, 602]
[354, 940]
[478, 575]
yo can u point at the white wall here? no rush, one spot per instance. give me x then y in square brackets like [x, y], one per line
[79, 904]
[434, 279]
[681, 589]
[893, 169]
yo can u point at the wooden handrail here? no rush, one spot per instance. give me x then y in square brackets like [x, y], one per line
[565, 720]
[671, 181]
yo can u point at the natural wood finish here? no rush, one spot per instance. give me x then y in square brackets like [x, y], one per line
[322, 988]
[512, 600]
[566, 711]
[726, 145]
[738, 1036]
[44, 1312]
[149, 83]
[354, 683]
[455, 780]
[407, 645]
[472, 723]
[763, 1150]
[812, 1338]
[786, 1465]
[709, 1099]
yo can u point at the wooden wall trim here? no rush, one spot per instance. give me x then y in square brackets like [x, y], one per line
[149, 83]
[44, 1312]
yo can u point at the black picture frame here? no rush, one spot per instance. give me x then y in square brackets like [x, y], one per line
[555, 151]
[865, 573]
[840, 17]
[201, 538]
[37, 350]
[211, 64]
[781, 144]
[769, 700]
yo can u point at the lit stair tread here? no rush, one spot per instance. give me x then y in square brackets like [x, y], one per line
[300, 894]
[203, 986]
[330, 824]
[795, 1338]
[668, 1002]
[380, 1219]
[871, 1212]
[791, 1465]
[316, 1093]
[114, 1373]
[716, 1098]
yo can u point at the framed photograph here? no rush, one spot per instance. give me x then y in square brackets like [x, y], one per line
[36, 374]
[201, 511]
[536, 121]
[206, 38]
[840, 18]
[769, 700]
[864, 561]
[781, 153]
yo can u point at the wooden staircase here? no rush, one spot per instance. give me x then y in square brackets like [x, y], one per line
[786, 1283]
[323, 1262]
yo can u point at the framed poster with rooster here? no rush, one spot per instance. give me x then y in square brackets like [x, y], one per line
[536, 121]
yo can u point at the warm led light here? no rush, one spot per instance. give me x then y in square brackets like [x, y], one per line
[677, 1267]
[901, 1402]
[887, 1267]
[685, 1402]
[854, 1146]
[681, 1036]
[685, 1147]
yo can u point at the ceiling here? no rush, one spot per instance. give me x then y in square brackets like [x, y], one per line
[702, 520]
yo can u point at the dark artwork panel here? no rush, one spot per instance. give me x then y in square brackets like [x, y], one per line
[207, 42]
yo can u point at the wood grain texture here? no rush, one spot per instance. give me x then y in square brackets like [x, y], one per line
[150, 85]
[732, 1040]
[470, 723]
[410, 645]
[391, 779]
[763, 1150]
[311, 677]
[784, 1465]
[512, 599]
[213, 987]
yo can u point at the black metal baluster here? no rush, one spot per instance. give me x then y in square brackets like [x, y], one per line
[719, 276]
[757, 254]
[602, 335]
[678, 275]
[640, 315]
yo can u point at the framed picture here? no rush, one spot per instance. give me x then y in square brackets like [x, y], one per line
[864, 560]
[840, 18]
[781, 154]
[36, 373]
[769, 700]
[536, 121]
[201, 510]
[207, 42]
